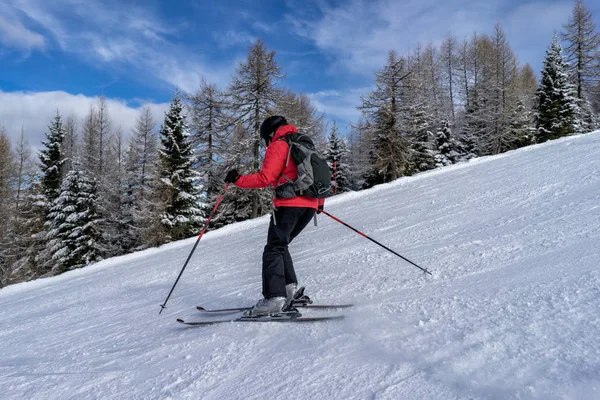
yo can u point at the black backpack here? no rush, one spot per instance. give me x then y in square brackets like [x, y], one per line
[314, 175]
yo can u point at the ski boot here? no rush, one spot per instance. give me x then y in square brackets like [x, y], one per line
[271, 306]
[295, 298]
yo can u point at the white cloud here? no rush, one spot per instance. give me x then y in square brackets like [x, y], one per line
[111, 34]
[14, 34]
[187, 73]
[35, 110]
[358, 34]
[339, 105]
[232, 38]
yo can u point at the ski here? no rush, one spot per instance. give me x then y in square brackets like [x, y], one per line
[284, 318]
[309, 306]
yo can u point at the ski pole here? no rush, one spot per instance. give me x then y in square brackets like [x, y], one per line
[375, 241]
[164, 305]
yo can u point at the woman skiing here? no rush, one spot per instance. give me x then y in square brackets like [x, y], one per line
[289, 218]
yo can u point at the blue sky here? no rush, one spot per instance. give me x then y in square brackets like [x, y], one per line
[66, 53]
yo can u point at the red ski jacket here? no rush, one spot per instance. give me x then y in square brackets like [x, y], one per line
[274, 167]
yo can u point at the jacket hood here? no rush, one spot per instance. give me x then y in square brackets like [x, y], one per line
[283, 131]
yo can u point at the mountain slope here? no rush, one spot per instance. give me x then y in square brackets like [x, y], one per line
[511, 311]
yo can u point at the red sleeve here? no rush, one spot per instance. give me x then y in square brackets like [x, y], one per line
[272, 168]
[321, 202]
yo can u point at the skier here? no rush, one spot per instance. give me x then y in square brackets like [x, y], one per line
[290, 216]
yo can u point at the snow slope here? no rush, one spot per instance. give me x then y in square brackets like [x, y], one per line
[512, 311]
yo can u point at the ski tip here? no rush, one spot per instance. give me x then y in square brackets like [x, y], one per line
[200, 308]
[180, 321]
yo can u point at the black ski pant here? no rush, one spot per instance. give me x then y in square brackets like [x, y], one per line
[278, 268]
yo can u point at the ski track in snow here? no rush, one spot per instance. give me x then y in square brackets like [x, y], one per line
[510, 313]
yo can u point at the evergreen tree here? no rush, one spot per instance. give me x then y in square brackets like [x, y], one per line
[337, 156]
[448, 149]
[183, 213]
[520, 131]
[73, 224]
[556, 104]
[419, 123]
[52, 159]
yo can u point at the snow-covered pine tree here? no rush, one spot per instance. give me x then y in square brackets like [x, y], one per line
[337, 155]
[254, 95]
[52, 159]
[419, 123]
[585, 119]
[183, 212]
[383, 110]
[73, 224]
[448, 149]
[521, 132]
[51, 168]
[418, 117]
[556, 104]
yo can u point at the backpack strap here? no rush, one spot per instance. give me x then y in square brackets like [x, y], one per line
[287, 161]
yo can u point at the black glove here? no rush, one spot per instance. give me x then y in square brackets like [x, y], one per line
[320, 209]
[232, 176]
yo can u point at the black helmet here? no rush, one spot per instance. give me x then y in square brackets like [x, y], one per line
[269, 126]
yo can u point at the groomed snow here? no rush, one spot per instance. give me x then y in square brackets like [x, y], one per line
[512, 311]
